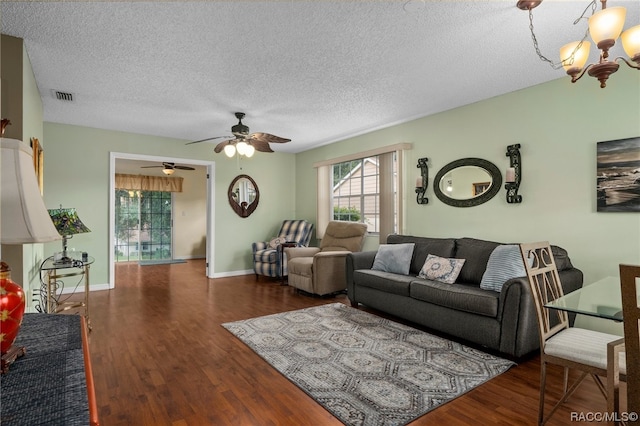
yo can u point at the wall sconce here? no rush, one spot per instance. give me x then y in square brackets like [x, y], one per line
[422, 181]
[513, 174]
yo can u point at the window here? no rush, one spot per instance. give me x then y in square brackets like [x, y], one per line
[143, 225]
[356, 192]
[362, 188]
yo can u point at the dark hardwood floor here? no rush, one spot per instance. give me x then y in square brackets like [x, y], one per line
[160, 357]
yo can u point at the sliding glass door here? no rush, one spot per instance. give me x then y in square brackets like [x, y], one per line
[143, 225]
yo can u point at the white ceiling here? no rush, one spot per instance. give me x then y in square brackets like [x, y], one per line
[312, 71]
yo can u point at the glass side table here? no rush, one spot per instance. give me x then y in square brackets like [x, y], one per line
[55, 271]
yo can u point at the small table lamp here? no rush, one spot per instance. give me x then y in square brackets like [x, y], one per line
[68, 224]
[23, 220]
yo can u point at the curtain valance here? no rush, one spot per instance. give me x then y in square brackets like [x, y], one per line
[148, 183]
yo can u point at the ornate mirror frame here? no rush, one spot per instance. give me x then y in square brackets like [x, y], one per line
[489, 167]
[243, 209]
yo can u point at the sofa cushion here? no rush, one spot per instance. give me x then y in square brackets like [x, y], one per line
[441, 269]
[301, 266]
[504, 264]
[394, 258]
[476, 253]
[462, 297]
[443, 247]
[383, 281]
[561, 258]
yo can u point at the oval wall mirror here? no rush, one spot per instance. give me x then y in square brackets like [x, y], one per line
[467, 182]
[243, 195]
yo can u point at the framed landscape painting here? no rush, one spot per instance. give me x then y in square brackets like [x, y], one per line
[618, 175]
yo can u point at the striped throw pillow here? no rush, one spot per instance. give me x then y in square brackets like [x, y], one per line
[504, 263]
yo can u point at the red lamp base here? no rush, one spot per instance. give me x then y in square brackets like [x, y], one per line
[11, 311]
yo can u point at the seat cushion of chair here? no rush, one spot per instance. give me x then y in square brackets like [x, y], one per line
[265, 256]
[583, 346]
[301, 266]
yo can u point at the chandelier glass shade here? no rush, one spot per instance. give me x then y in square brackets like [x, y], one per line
[605, 27]
[580, 52]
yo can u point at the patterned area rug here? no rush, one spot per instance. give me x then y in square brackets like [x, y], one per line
[364, 369]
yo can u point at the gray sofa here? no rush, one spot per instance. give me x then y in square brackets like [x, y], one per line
[503, 321]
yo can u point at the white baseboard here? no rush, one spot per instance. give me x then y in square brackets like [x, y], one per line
[233, 273]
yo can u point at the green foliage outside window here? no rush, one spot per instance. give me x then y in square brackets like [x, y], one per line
[350, 214]
[147, 212]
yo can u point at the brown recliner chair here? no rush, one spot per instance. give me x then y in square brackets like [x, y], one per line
[321, 270]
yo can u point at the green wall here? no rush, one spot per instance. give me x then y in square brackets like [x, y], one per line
[21, 103]
[77, 175]
[558, 125]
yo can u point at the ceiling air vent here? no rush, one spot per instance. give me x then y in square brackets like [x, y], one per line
[62, 96]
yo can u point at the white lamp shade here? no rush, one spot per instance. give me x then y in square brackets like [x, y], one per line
[580, 57]
[631, 41]
[242, 148]
[249, 151]
[24, 217]
[607, 24]
[230, 150]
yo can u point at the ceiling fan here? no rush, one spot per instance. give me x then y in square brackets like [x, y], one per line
[244, 143]
[169, 168]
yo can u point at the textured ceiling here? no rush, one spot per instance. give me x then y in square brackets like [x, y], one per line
[312, 71]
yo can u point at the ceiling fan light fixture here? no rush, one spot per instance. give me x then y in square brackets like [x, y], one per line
[241, 147]
[230, 150]
[249, 151]
[168, 171]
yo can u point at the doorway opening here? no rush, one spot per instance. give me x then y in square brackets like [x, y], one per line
[154, 229]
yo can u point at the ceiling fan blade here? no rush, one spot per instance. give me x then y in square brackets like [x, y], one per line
[207, 139]
[183, 168]
[221, 146]
[267, 137]
[261, 145]
[150, 167]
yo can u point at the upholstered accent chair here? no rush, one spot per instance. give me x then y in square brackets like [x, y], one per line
[268, 256]
[321, 270]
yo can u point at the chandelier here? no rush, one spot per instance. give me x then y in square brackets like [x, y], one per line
[605, 27]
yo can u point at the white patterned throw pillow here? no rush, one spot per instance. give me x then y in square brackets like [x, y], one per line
[394, 258]
[276, 241]
[504, 264]
[441, 269]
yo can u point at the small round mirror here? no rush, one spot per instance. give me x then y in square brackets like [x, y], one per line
[243, 195]
[467, 182]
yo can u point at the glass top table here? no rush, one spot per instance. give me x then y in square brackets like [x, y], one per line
[602, 299]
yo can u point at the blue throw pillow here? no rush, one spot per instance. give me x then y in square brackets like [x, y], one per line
[394, 258]
[504, 264]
